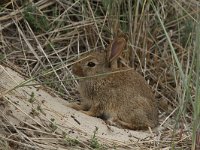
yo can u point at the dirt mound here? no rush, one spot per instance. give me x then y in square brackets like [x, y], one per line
[40, 119]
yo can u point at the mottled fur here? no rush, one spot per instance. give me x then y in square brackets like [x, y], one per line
[119, 93]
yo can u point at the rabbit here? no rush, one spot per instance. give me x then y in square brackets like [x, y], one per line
[120, 93]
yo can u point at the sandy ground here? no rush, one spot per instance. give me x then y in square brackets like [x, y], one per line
[52, 109]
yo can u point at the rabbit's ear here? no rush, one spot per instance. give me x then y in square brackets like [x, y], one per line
[117, 46]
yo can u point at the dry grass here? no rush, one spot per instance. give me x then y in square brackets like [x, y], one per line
[43, 38]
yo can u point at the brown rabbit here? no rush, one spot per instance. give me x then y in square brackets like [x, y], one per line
[119, 93]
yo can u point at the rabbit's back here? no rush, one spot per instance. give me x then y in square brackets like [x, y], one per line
[124, 81]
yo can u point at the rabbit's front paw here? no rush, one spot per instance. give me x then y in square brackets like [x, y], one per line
[112, 122]
[75, 105]
[89, 113]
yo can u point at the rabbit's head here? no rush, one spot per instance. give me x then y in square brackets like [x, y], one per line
[97, 62]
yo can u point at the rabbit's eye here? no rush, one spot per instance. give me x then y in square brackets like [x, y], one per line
[91, 64]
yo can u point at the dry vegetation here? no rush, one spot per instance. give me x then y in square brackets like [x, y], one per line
[42, 38]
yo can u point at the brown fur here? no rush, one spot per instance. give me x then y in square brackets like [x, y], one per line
[123, 95]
